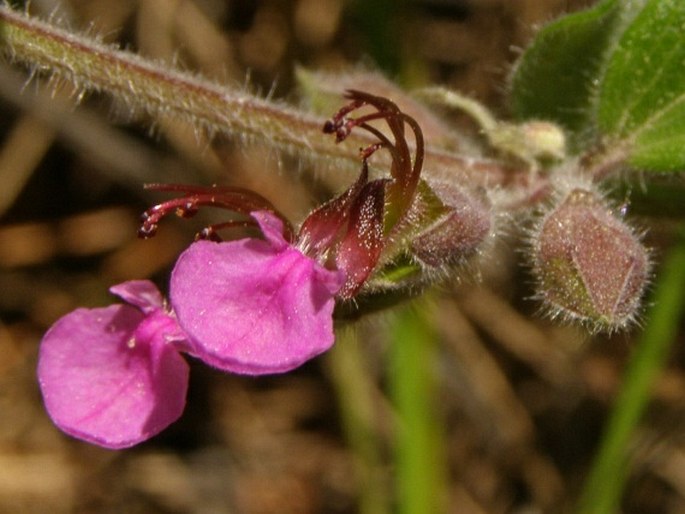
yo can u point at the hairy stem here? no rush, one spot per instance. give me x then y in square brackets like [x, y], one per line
[154, 88]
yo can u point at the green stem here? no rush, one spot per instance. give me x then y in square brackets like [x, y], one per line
[420, 462]
[360, 419]
[610, 471]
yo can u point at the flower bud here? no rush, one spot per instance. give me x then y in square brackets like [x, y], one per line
[458, 232]
[530, 142]
[589, 264]
[544, 139]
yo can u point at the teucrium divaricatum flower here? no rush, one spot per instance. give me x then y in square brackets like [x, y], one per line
[114, 376]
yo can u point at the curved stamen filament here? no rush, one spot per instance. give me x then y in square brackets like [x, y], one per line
[239, 200]
[406, 174]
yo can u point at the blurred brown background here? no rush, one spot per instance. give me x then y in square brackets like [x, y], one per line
[524, 412]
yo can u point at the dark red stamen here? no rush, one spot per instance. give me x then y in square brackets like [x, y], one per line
[367, 152]
[239, 200]
[406, 174]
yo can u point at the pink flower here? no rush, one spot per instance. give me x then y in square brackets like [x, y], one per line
[254, 306]
[113, 376]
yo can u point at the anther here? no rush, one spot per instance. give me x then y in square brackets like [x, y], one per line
[331, 126]
[147, 230]
[208, 234]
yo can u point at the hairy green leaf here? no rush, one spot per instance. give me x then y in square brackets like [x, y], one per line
[642, 96]
[556, 77]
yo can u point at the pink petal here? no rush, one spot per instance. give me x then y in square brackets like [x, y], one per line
[253, 308]
[272, 229]
[141, 293]
[108, 376]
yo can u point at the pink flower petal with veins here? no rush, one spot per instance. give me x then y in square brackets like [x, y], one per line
[110, 377]
[254, 306]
